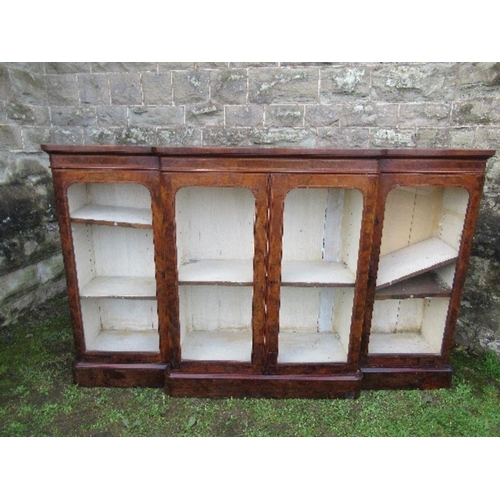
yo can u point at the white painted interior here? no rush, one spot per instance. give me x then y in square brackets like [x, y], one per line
[120, 325]
[217, 271]
[216, 322]
[113, 203]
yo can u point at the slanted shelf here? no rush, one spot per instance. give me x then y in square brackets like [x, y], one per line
[115, 266]
[419, 250]
[215, 249]
[320, 253]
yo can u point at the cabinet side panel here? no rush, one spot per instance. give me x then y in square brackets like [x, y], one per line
[453, 213]
[91, 317]
[84, 253]
[434, 321]
[77, 196]
[345, 300]
[351, 227]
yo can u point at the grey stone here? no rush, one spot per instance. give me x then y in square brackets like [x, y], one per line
[32, 67]
[157, 88]
[218, 136]
[167, 66]
[208, 65]
[62, 90]
[122, 67]
[28, 88]
[190, 87]
[71, 135]
[432, 138]
[18, 282]
[462, 137]
[245, 116]
[284, 115]
[19, 113]
[344, 82]
[41, 115]
[5, 90]
[422, 82]
[94, 89]
[125, 89]
[276, 86]
[59, 68]
[229, 87]
[162, 116]
[3, 113]
[393, 138]
[487, 137]
[112, 116]
[424, 114]
[70, 116]
[477, 80]
[34, 136]
[283, 137]
[362, 114]
[335, 137]
[478, 112]
[322, 115]
[137, 136]
[96, 135]
[207, 114]
[253, 64]
[10, 137]
[50, 269]
[185, 136]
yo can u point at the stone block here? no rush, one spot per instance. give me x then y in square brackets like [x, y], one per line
[10, 137]
[99, 135]
[21, 114]
[190, 87]
[283, 85]
[150, 116]
[5, 90]
[50, 269]
[462, 137]
[93, 89]
[18, 282]
[28, 88]
[253, 64]
[335, 137]
[218, 136]
[210, 65]
[167, 66]
[157, 88]
[393, 138]
[207, 115]
[487, 137]
[320, 115]
[137, 136]
[229, 86]
[345, 82]
[431, 138]
[476, 112]
[122, 67]
[477, 80]
[70, 116]
[283, 137]
[245, 116]
[183, 136]
[67, 135]
[125, 88]
[112, 116]
[284, 115]
[362, 114]
[411, 83]
[424, 114]
[59, 68]
[34, 136]
[32, 67]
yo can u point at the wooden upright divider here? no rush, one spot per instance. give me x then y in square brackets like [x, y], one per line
[220, 272]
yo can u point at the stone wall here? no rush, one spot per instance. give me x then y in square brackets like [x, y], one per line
[354, 105]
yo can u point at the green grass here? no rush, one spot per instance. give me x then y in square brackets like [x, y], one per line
[38, 398]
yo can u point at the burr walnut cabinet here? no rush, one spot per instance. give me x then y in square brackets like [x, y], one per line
[265, 272]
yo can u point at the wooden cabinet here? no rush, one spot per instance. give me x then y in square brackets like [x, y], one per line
[265, 272]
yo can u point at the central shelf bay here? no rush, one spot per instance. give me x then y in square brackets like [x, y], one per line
[119, 287]
[316, 273]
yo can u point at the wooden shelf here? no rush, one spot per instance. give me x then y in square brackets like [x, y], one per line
[310, 347]
[125, 341]
[216, 272]
[113, 216]
[414, 260]
[217, 346]
[399, 343]
[119, 287]
[421, 286]
[319, 273]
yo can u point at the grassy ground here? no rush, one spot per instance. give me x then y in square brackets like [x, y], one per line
[38, 398]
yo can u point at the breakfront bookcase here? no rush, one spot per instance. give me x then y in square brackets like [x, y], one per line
[265, 272]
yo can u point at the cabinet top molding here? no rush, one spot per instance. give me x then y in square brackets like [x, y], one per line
[205, 152]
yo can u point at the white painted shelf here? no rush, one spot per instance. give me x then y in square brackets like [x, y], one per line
[113, 216]
[125, 341]
[310, 347]
[316, 273]
[414, 260]
[397, 343]
[217, 346]
[119, 287]
[227, 272]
